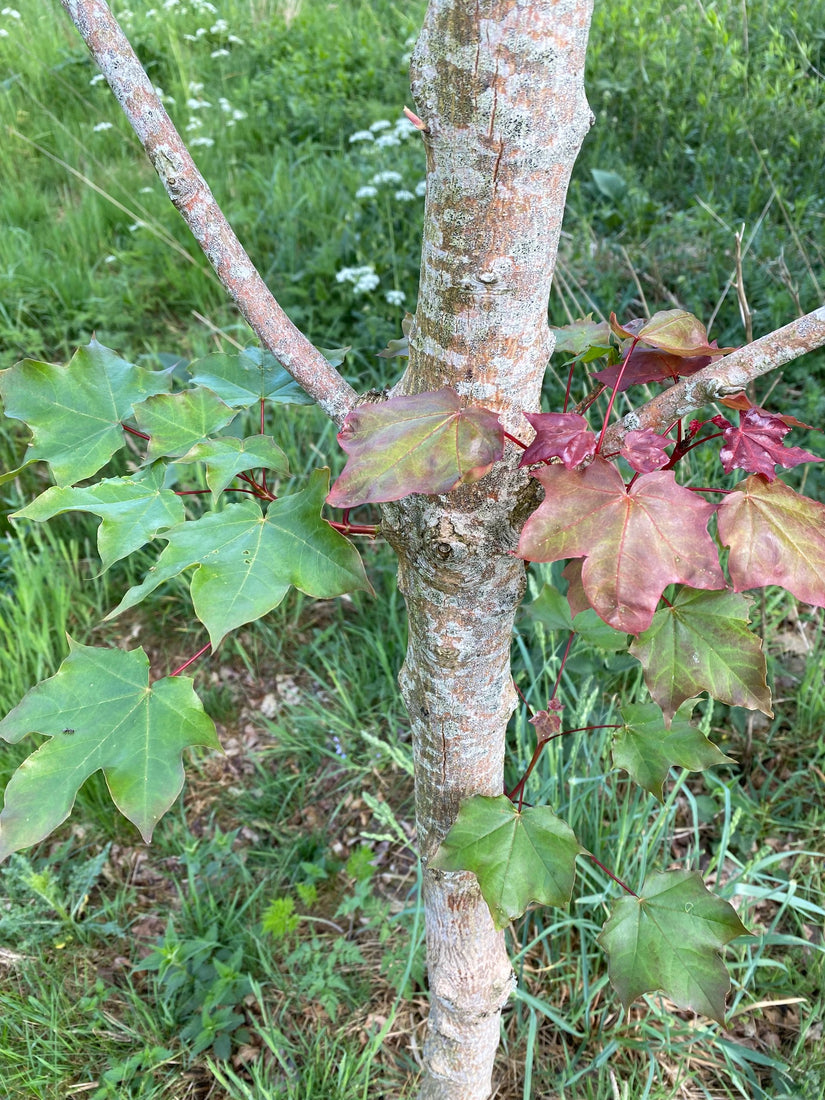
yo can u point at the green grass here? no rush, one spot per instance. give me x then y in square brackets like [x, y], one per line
[706, 123]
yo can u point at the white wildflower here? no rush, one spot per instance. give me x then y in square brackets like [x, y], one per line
[196, 104]
[421, 188]
[12, 13]
[110, 259]
[194, 124]
[387, 177]
[233, 38]
[366, 192]
[404, 196]
[220, 26]
[381, 124]
[135, 226]
[200, 32]
[151, 13]
[3, 32]
[98, 79]
[384, 141]
[395, 297]
[220, 53]
[196, 87]
[146, 190]
[204, 141]
[363, 279]
[361, 135]
[101, 126]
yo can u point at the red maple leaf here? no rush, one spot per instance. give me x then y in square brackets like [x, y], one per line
[559, 435]
[548, 722]
[646, 365]
[635, 542]
[645, 450]
[756, 444]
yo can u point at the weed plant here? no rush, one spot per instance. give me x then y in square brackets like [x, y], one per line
[269, 943]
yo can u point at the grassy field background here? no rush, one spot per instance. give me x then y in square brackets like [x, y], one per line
[269, 943]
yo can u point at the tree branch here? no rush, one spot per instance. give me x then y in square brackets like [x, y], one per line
[191, 195]
[725, 377]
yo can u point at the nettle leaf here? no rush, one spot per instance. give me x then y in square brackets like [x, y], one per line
[517, 857]
[75, 410]
[679, 333]
[635, 542]
[101, 714]
[254, 375]
[245, 561]
[132, 510]
[175, 422]
[756, 444]
[581, 335]
[776, 536]
[646, 749]
[425, 443]
[402, 346]
[645, 365]
[559, 435]
[645, 450]
[671, 938]
[702, 643]
[226, 457]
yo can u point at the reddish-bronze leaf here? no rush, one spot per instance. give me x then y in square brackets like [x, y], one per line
[559, 435]
[649, 365]
[680, 333]
[635, 542]
[628, 331]
[645, 450]
[548, 722]
[741, 402]
[775, 536]
[756, 445]
[425, 443]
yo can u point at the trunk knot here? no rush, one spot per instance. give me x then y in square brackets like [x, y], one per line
[443, 550]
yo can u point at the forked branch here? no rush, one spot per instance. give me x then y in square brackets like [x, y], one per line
[191, 195]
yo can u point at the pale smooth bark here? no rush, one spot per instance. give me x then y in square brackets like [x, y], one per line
[499, 86]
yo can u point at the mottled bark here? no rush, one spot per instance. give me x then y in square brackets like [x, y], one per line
[499, 85]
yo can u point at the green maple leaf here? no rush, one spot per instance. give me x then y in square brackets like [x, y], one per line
[647, 750]
[227, 457]
[426, 443]
[517, 856]
[132, 510]
[702, 643]
[254, 375]
[671, 938]
[75, 410]
[635, 541]
[245, 561]
[776, 536]
[581, 335]
[101, 714]
[175, 422]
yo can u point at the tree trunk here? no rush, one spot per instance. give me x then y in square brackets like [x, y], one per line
[499, 86]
